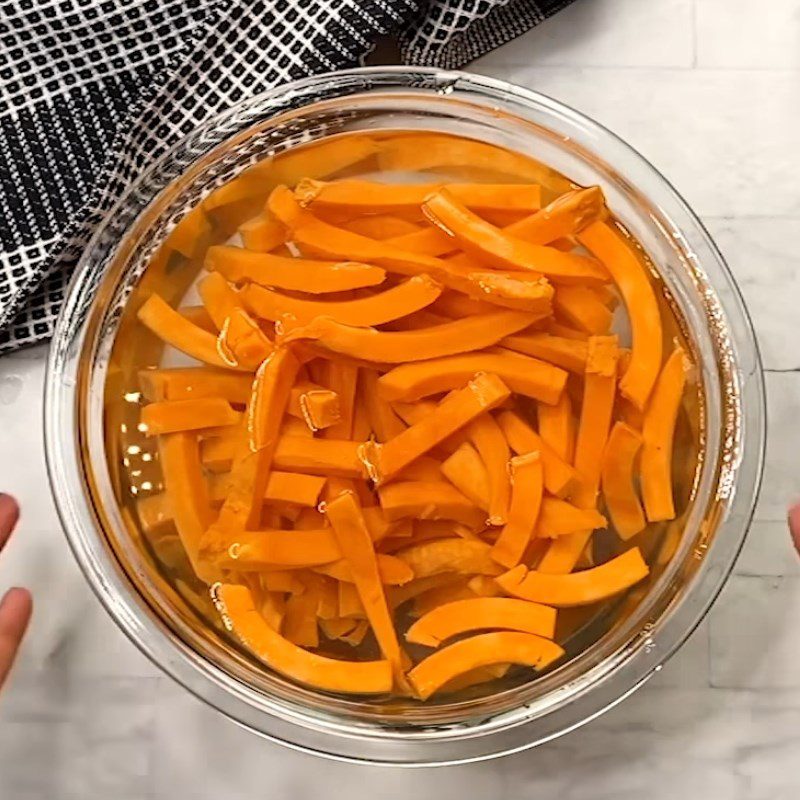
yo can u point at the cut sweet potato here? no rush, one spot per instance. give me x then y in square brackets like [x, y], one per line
[578, 588]
[557, 426]
[188, 496]
[355, 542]
[195, 383]
[481, 394]
[235, 604]
[405, 298]
[637, 291]
[560, 478]
[617, 479]
[494, 452]
[464, 556]
[392, 570]
[527, 484]
[510, 647]
[319, 457]
[262, 234]
[567, 353]
[384, 422]
[482, 613]
[580, 307]
[457, 336]
[559, 518]
[175, 330]
[424, 500]
[526, 376]
[465, 470]
[170, 416]
[342, 378]
[657, 435]
[317, 406]
[496, 247]
[359, 196]
[317, 277]
[382, 226]
[259, 550]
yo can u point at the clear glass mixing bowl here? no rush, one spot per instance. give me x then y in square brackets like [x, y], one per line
[624, 646]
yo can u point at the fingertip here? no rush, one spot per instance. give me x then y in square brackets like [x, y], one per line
[9, 514]
[794, 525]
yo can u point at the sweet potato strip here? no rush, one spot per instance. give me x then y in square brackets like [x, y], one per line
[188, 496]
[250, 475]
[175, 330]
[284, 272]
[429, 500]
[350, 531]
[317, 406]
[481, 394]
[580, 307]
[526, 376]
[371, 197]
[559, 518]
[381, 226]
[325, 457]
[219, 298]
[578, 588]
[657, 434]
[259, 550]
[392, 570]
[527, 484]
[235, 604]
[465, 470]
[617, 479]
[468, 654]
[384, 422]
[282, 487]
[170, 416]
[456, 336]
[570, 354]
[637, 291]
[195, 383]
[494, 452]
[557, 426]
[341, 378]
[405, 298]
[560, 478]
[464, 556]
[599, 393]
[482, 613]
[565, 216]
[262, 234]
[489, 243]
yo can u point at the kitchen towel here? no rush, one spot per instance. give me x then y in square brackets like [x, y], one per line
[91, 91]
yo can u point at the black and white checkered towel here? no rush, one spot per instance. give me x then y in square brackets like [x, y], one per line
[91, 91]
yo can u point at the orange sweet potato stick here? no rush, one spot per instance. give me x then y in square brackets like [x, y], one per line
[482, 613]
[259, 550]
[292, 488]
[494, 246]
[599, 393]
[384, 422]
[557, 426]
[242, 342]
[456, 336]
[526, 498]
[560, 478]
[219, 298]
[250, 475]
[467, 472]
[175, 330]
[464, 556]
[188, 496]
[640, 301]
[392, 570]
[235, 604]
[284, 272]
[580, 307]
[493, 449]
[658, 431]
[441, 595]
[526, 376]
[617, 480]
[350, 530]
[191, 235]
[300, 617]
[405, 298]
[429, 500]
[368, 196]
[381, 226]
[483, 650]
[262, 233]
[325, 457]
[570, 354]
[341, 378]
[317, 406]
[195, 383]
[481, 394]
[169, 416]
[559, 518]
[578, 588]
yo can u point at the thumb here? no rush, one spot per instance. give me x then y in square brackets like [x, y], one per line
[794, 525]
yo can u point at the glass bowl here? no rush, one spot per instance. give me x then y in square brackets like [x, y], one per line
[637, 634]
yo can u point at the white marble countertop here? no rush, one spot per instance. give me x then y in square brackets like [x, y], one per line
[708, 90]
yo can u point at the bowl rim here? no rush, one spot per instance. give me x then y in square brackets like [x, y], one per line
[111, 591]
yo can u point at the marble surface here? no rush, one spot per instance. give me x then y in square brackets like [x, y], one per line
[707, 90]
